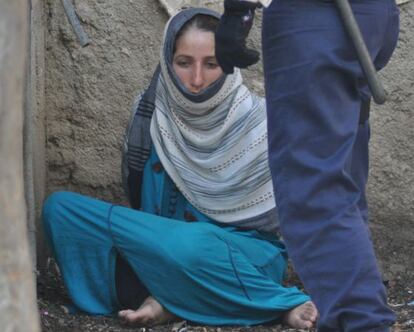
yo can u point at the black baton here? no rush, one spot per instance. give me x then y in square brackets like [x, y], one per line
[352, 28]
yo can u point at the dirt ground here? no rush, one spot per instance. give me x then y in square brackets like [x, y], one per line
[52, 299]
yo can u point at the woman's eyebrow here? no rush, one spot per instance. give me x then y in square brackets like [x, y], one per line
[182, 56]
[189, 57]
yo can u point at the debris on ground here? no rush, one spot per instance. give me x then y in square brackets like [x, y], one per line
[54, 311]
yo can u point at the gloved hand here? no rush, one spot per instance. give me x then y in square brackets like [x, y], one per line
[231, 34]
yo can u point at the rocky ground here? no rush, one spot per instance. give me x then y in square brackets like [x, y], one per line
[52, 299]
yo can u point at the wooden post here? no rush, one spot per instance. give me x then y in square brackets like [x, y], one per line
[18, 310]
[34, 134]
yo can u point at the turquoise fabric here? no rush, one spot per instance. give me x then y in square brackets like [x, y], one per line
[198, 270]
[161, 196]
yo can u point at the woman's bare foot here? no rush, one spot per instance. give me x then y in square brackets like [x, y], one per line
[150, 313]
[302, 317]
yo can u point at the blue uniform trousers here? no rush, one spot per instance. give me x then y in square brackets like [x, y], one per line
[318, 152]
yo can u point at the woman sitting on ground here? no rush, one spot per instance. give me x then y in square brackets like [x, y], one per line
[201, 242]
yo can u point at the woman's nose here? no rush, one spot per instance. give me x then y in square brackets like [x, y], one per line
[197, 80]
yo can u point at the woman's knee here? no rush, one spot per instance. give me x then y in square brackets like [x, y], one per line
[53, 203]
[195, 247]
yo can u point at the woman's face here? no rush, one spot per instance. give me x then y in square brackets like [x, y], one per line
[194, 60]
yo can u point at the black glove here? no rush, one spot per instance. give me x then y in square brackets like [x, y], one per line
[231, 34]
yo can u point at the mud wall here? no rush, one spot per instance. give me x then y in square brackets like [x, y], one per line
[391, 183]
[89, 92]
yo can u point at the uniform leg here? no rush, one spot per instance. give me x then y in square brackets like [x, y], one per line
[313, 99]
[360, 166]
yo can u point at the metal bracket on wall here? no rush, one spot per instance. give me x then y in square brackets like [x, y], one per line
[74, 21]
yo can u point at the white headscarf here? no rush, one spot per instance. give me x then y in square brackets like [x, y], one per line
[214, 150]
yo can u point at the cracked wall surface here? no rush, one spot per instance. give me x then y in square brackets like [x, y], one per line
[89, 92]
[391, 183]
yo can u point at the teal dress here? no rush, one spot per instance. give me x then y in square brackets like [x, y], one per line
[196, 268]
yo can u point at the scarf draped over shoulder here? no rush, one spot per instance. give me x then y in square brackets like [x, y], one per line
[214, 145]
